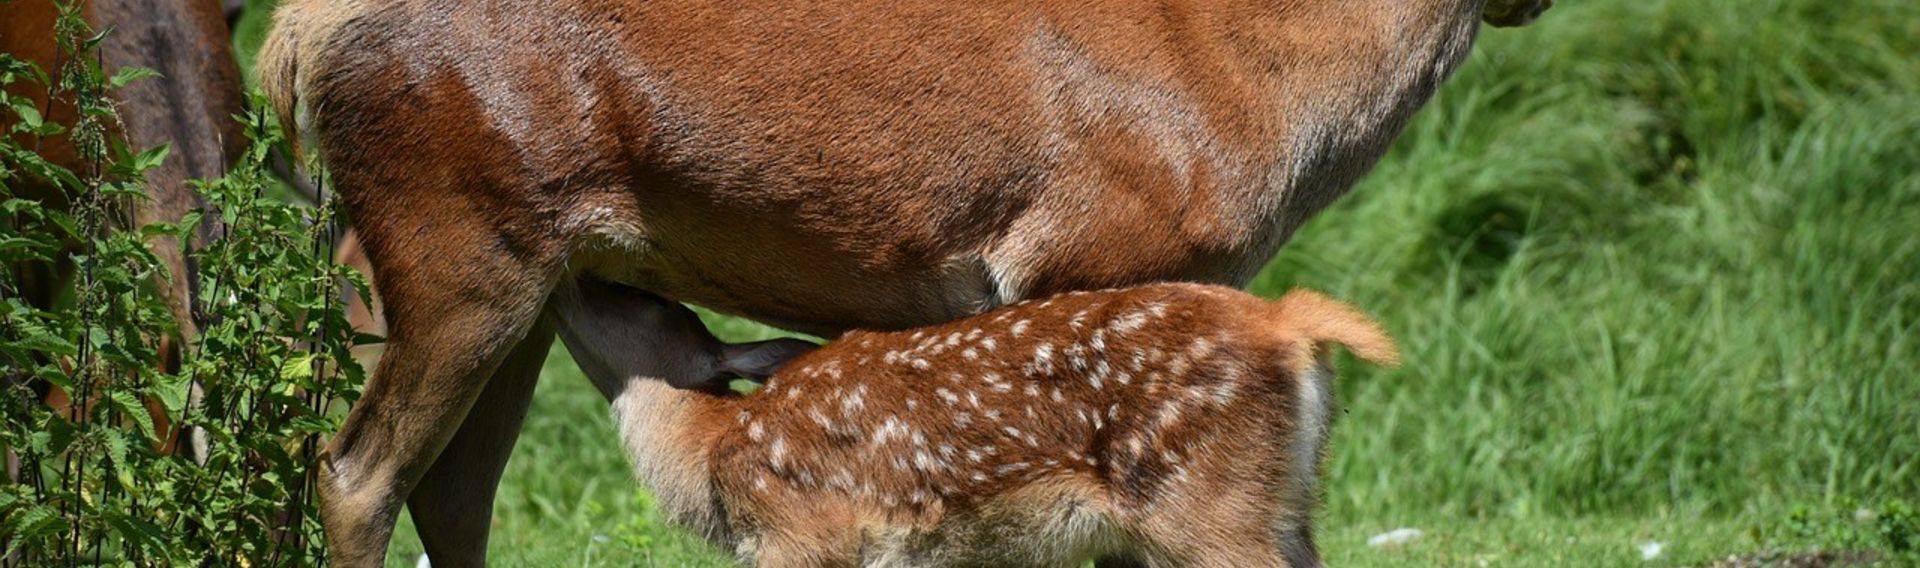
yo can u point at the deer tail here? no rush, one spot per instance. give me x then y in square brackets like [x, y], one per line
[1326, 321]
[290, 59]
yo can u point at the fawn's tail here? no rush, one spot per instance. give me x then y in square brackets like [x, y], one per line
[1324, 320]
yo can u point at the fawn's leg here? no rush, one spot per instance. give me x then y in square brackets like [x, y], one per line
[1213, 543]
[457, 304]
[1217, 516]
[453, 505]
[1224, 555]
[786, 550]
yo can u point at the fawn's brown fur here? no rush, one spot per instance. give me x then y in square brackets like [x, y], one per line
[1175, 424]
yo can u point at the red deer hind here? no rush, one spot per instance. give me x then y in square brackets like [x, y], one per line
[1169, 425]
[821, 165]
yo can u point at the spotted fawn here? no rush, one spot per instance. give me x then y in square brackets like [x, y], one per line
[1164, 425]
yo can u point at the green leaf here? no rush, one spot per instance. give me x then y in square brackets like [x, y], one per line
[35, 522]
[94, 41]
[117, 447]
[172, 393]
[143, 533]
[17, 205]
[297, 369]
[189, 223]
[60, 434]
[131, 407]
[48, 344]
[151, 158]
[17, 249]
[128, 75]
[54, 376]
[29, 115]
[312, 425]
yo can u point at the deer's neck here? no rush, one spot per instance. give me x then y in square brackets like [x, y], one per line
[669, 434]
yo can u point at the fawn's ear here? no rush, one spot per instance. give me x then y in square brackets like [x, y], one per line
[759, 359]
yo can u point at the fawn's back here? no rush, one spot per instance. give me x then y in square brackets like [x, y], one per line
[1046, 432]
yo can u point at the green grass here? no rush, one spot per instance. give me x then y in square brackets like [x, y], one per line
[1656, 267]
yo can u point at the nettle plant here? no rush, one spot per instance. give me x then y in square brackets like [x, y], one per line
[98, 481]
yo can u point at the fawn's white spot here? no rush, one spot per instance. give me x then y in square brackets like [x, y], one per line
[1128, 323]
[777, 453]
[888, 429]
[855, 402]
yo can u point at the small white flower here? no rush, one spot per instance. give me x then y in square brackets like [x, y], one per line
[1650, 550]
[1394, 537]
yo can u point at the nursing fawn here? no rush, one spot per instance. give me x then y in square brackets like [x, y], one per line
[1165, 425]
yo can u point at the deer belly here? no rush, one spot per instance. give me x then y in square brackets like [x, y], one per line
[794, 276]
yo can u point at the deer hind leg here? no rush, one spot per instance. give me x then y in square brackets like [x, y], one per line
[457, 306]
[453, 505]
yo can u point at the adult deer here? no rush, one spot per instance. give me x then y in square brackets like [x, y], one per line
[820, 165]
[189, 106]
